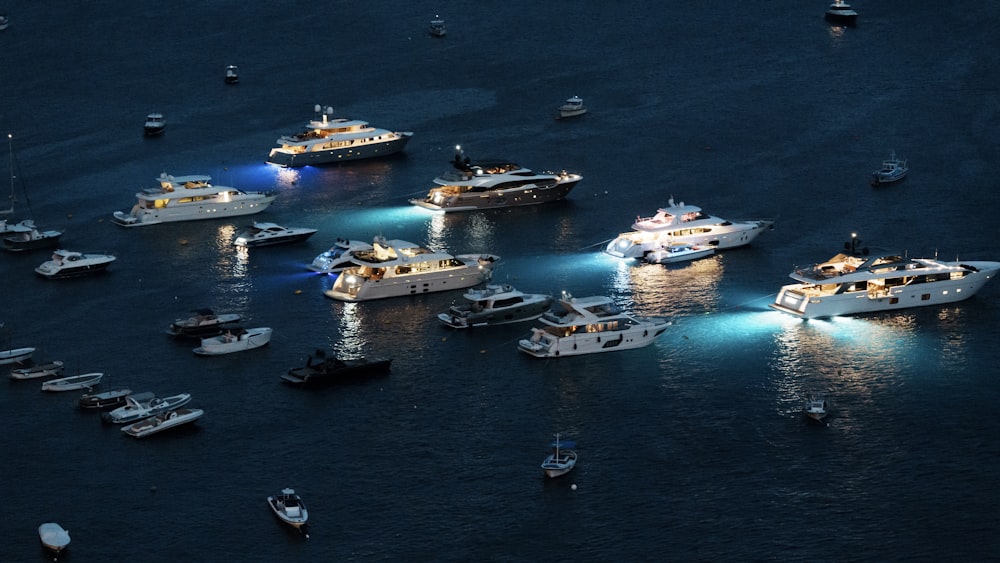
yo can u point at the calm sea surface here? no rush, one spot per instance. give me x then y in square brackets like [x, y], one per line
[693, 448]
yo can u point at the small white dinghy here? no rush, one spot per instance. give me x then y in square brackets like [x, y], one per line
[53, 537]
[235, 340]
[679, 252]
[16, 355]
[289, 508]
[73, 382]
[161, 422]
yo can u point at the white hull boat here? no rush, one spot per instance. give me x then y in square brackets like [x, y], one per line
[562, 460]
[816, 408]
[396, 268]
[684, 223]
[327, 140]
[572, 107]
[339, 257]
[893, 169]
[37, 371]
[849, 284]
[161, 422]
[496, 304]
[289, 508]
[679, 252]
[235, 340]
[155, 124]
[190, 198]
[16, 355]
[232, 74]
[494, 184]
[268, 234]
[589, 325]
[73, 382]
[144, 405]
[53, 537]
[68, 264]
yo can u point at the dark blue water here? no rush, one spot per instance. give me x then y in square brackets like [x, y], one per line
[691, 449]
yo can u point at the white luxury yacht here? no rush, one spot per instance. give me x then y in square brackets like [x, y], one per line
[336, 140]
[683, 223]
[854, 282]
[187, 198]
[588, 325]
[488, 184]
[396, 267]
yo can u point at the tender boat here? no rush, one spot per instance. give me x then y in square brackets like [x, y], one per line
[53, 537]
[395, 268]
[339, 256]
[112, 398]
[190, 198]
[203, 323]
[37, 371]
[16, 355]
[492, 184]
[683, 223]
[155, 124]
[232, 74]
[841, 12]
[161, 422]
[437, 27]
[267, 234]
[234, 340]
[674, 252]
[572, 107]
[893, 169]
[327, 139]
[588, 325]
[496, 304]
[73, 382]
[862, 282]
[322, 370]
[289, 508]
[25, 235]
[562, 460]
[816, 408]
[144, 405]
[68, 264]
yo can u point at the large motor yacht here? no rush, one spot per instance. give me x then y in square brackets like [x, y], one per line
[396, 267]
[588, 325]
[862, 282]
[488, 184]
[683, 223]
[187, 198]
[327, 139]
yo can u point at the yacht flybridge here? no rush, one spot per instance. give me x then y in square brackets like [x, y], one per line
[854, 282]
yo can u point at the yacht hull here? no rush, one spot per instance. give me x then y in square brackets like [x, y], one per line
[545, 346]
[351, 287]
[637, 245]
[803, 301]
[497, 199]
[283, 157]
[143, 217]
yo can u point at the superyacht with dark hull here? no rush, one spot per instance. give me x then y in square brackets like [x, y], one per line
[327, 140]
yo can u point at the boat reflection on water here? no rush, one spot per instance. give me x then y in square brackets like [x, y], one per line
[476, 231]
[367, 329]
[691, 288]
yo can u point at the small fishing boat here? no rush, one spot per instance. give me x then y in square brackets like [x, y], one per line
[37, 371]
[572, 107]
[679, 252]
[289, 508]
[25, 235]
[841, 12]
[73, 382]
[562, 460]
[816, 408]
[155, 124]
[437, 28]
[112, 398]
[893, 169]
[232, 74]
[161, 422]
[16, 355]
[53, 537]
[235, 340]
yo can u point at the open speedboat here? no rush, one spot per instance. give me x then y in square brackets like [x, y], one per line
[679, 252]
[289, 508]
[203, 323]
[562, 460]
[161, 422]
[143, 405]
[495, 304]
[326, 370]
[73, 382]
[234, 340]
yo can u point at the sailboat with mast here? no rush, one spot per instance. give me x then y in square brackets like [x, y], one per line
[24, 235]
[562, 460]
